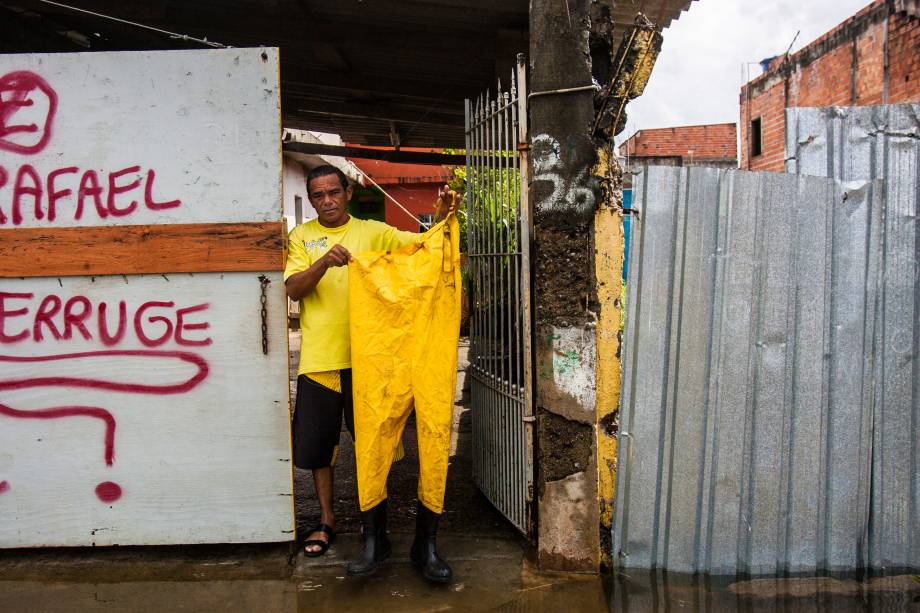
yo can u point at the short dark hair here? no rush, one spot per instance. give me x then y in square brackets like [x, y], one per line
[325, 170]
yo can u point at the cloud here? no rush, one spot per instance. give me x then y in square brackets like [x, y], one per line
[710, 51]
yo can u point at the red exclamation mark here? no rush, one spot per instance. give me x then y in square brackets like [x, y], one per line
[107, 491]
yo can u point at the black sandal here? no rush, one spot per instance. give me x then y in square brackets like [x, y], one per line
[323, 545]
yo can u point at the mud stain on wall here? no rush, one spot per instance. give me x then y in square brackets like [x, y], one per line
[571, 448]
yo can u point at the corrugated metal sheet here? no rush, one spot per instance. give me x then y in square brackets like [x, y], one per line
[746, 417]
[882, 142]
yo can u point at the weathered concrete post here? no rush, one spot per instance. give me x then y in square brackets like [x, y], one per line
[578, 238]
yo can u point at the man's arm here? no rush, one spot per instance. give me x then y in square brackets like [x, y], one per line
[302, 283]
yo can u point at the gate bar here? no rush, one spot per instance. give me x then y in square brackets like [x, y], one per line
[526, 279]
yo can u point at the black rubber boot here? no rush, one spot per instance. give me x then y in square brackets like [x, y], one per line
[425, 549]
[376, 541]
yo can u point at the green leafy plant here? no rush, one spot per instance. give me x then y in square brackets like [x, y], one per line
[494, 302]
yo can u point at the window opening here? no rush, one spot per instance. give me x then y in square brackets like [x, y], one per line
[756, 137]
[425, 221]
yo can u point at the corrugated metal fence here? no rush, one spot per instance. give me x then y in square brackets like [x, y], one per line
[743, 416]
[882, 142]
[769, 413]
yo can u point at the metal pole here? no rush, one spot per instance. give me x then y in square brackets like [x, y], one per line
[467, 125]
[477, 214]
[490, 330]
[480, 293]
[526, 234]
[508, 404]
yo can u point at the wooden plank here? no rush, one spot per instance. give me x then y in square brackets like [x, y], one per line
[140, 410]
[147, 249]
[390, 112]
[387, 155]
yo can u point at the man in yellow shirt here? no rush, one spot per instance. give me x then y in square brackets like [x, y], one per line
[316, 275]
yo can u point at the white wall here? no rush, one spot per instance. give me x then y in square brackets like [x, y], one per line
[295, 185]
[202, 465]
[205, 122]
[168, 425]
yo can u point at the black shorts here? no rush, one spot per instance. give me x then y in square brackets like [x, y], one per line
[317, 423]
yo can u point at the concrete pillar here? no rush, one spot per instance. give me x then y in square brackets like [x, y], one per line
[578, 238]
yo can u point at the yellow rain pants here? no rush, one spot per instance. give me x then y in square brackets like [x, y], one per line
[405, 327]
[332, 380]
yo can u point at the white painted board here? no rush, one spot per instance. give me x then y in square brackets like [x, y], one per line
[200, 450]
[201, 128]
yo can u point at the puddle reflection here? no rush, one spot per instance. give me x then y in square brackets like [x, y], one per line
[641, 591]
[483, 585]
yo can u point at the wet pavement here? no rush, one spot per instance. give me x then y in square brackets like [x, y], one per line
[491, 574]
[492, 563]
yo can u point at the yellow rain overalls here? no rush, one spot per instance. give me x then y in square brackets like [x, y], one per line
[405, 327]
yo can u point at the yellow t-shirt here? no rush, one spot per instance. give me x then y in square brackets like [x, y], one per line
[325, 343]
[330, 379]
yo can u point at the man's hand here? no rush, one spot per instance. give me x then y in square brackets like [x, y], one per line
[337, 256]
[448, 202]
[304, 282]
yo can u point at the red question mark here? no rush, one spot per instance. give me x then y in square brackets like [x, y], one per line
[107, 491]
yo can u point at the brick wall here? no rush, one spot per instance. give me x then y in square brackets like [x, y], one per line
[769, 107]
[828, 81]
[870, 64]
[904, 59]
[845, 67]
[715, 141]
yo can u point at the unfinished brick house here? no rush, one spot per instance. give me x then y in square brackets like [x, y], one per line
[713, 145]
[871, 58]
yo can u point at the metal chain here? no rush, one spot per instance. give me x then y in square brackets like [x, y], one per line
[264, 281]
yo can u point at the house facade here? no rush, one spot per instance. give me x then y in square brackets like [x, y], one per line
[871, 58]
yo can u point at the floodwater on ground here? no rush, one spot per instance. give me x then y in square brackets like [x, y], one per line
[490, 575]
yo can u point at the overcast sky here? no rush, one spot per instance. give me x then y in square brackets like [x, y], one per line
[698, 76]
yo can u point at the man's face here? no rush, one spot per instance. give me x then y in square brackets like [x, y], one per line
[329, 199]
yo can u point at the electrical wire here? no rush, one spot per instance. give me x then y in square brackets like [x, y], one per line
[203, 41]
[396, 202]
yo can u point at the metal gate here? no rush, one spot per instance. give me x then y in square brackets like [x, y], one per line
[498, 244]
